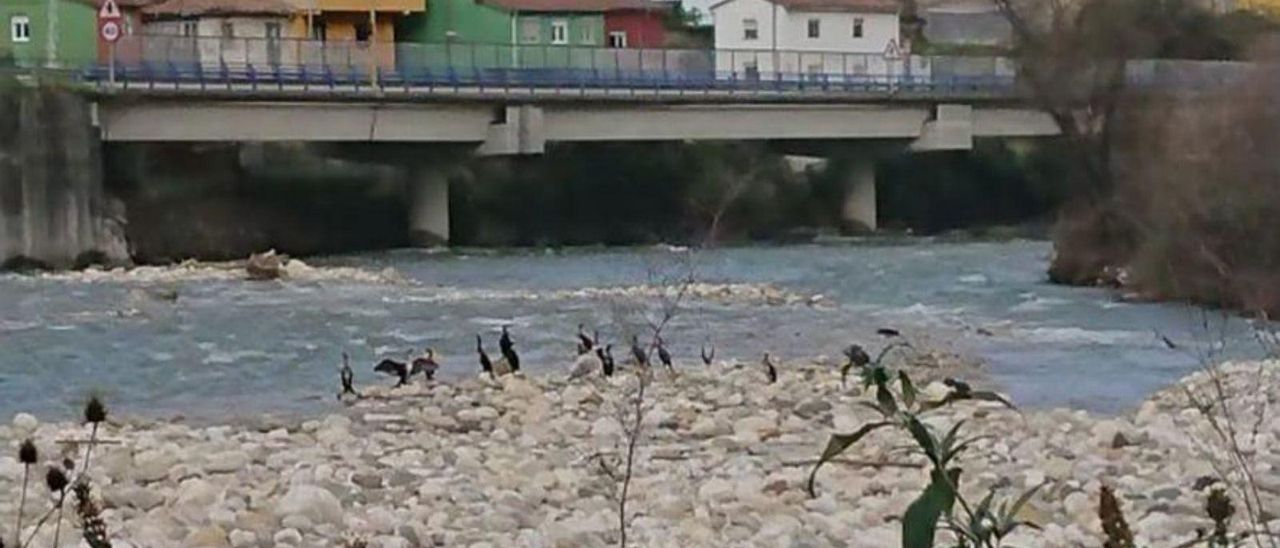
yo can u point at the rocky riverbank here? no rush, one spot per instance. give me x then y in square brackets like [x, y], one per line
[723, 462]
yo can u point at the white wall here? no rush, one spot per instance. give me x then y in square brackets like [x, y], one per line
[209, 47]
[835, 52]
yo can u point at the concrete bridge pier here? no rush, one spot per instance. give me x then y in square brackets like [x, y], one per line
[858, 210]
[428, 196]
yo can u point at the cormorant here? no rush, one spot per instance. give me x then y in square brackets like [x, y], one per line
[708, 356]
[642, 358]
[425, 364]
[663, 355]
[585, 344]
[770, 369]
[348, 378]
[508, 349]
[606, 359]
[888, 332]
[389, 366]
[857, 356]
[486, 366]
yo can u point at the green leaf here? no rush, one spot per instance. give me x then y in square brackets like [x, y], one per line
[987, 395]
[924, 438]
[920, 522]
[1008, 521]
[888, 404]
[908, 389]
[837, 444]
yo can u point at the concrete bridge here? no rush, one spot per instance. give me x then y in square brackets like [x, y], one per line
[522, 122]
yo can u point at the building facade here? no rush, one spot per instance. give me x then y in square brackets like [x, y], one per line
[232, 33]
[643, 25]
[807, 38]
[60, 33]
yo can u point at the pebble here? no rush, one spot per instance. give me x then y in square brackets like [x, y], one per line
[723, 462]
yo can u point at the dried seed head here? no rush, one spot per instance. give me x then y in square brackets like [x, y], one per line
[68, 464]
[27, 453]
[1219, 506]
[94, 411]
[55, 479]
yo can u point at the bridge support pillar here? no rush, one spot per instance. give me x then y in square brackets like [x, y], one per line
[858, 211]
[428, 193]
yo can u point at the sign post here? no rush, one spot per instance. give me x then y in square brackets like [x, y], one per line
[109, 19]
[892, 54]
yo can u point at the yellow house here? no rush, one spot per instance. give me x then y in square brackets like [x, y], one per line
[366, 25]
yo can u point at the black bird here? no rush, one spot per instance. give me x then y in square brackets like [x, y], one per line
[389, 366]
[348, 378]
[642, 359]
[606, 360]
[857, 356]
[585, 344]
[425, 364]
[888, 332]
[770, 369]
[664, 356]
[508, 349]
[707, 357]
[1168, 343]
[485, 365]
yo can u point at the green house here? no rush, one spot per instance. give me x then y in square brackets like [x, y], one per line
[504, 33]
[49, 32]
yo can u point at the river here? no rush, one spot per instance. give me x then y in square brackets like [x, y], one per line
[227, 348]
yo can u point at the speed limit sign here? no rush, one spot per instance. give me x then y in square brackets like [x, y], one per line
[110, 31]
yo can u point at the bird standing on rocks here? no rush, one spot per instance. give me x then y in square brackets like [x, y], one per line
[708, 354]
[389, 366]
[770, 369]
[606, 359]
[585, 343]
[638, 353]
[486, 366]
[348, 377]
[425, 364]
[664, 356]
[508, 349]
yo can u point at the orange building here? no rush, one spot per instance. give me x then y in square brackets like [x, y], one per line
[367, 24]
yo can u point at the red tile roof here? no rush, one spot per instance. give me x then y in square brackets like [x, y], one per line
[575, 5]
[189, 8]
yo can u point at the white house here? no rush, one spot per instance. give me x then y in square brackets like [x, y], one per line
[807, 38]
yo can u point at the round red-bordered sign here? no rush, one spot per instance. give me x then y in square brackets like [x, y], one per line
[110, 31]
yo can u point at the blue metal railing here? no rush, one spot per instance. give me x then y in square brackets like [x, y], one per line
[257, 63]
[303, 65]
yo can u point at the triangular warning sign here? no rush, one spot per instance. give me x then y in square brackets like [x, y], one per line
[891, 51]
[109, 10]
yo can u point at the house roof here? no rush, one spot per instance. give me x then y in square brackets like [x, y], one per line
[575, 5]
[852, 6]
[191, 8]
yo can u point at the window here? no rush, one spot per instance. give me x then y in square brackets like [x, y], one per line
[618, 39]
[750, 29]
[857, 28]
[20, 28]
[587, 36]
[559, 32]
[363, 32]
[815, 28]
[319, 30]
[190, 28]
[530, 31]
[228, 31]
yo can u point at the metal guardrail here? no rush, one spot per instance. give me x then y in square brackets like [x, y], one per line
[262, 64]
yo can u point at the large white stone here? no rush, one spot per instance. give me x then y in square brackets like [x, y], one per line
[25, 423]
[226, 462]
[316, 503]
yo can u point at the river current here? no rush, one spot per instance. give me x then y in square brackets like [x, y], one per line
[208, 345]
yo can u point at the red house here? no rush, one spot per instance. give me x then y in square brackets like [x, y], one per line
[636, 24]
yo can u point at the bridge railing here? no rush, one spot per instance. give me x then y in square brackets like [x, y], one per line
[151, 61]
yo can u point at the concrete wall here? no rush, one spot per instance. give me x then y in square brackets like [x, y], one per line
[52, 206]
